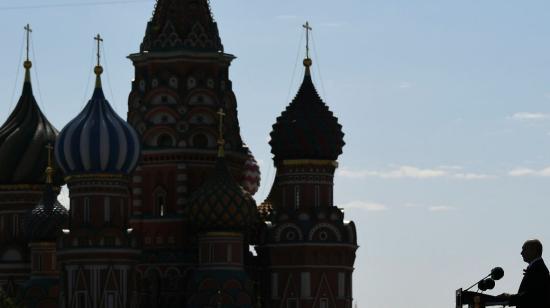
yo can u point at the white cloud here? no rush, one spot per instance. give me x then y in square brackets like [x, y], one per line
[398, 173]
[441, 208]
[529, 116]
[412, 172]
[472, 176]
[529, 172]
[365, 205]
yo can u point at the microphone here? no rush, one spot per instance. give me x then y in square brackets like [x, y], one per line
[487, 283]
[497, 273]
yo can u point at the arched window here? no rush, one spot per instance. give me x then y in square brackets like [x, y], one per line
[164, 140]
[200, 141]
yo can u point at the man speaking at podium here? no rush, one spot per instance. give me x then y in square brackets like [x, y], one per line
[534, 290]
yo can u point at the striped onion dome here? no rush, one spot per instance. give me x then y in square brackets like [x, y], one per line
[23, 140]
[97, 141]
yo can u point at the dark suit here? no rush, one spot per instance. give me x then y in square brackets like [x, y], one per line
[534, 290]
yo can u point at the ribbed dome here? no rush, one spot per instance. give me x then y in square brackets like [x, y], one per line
[221, 204]
[97, 141]
[307, 129]
[23, 140]
[47, 219]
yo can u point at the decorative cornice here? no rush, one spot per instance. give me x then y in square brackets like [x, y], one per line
[310, 162]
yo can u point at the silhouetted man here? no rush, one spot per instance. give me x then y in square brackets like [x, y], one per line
[534, 290]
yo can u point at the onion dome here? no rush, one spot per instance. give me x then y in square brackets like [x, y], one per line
[46, 220]
[251, 174]
[97, 141]
[23, 140]
[307, 129]
[221, 204]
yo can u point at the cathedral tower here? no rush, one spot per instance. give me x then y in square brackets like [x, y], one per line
[23, 156]
[181, 81]
[308, 249]
[98, 151]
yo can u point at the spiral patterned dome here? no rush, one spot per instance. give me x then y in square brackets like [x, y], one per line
[251, 174]
[23, 140]
[221, 204]
[47, 219]
[307, 129]
[97, 141]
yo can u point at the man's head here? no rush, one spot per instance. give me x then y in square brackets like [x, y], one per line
[531, 250]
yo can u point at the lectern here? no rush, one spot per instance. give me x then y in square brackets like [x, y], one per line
[477, 300]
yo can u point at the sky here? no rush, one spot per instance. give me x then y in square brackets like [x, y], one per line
[445, 106]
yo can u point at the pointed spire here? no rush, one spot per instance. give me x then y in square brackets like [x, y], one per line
[221, 141]
[307, 61]
[98, 70]
[28, 64]
[182, 25]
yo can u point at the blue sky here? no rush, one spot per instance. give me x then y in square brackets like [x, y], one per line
[445, 106]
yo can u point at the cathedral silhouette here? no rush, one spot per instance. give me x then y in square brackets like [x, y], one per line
[162, 212]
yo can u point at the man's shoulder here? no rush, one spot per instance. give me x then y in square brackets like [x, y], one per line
[539, 268]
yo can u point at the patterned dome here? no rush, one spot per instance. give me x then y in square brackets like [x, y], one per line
[251, 174]
[97, 140]
[307, 129]
[221, 204]
[47, 219]
[23, 140]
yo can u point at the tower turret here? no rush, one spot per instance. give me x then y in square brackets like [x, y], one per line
[223, 214]
[181, 81]
[98, 150]
[310, 248]
[23, 157]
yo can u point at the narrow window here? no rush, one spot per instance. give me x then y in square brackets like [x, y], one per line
[296, 197]
[284, 197]
[306, 285]
[274, 285]
[86, 212]
[110, 300]
[317, 195]
[160, 202]
[341, 284]
[323, 303]
[81, 300]
[107, 210]
[15, 225]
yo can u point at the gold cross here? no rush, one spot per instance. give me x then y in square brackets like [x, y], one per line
[221, 141]
[99, 40]
[28, 30]
[308, 29]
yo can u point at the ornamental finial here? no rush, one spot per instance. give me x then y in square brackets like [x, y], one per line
[221, 141]
[98, 70]
[307, 61]
[49, 169]
[27, 64]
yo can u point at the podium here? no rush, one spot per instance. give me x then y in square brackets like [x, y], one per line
[477, 300]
